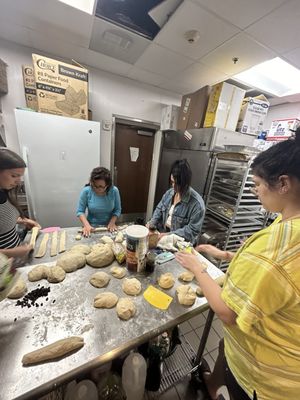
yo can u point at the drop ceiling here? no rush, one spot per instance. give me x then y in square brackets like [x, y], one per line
[253, 31]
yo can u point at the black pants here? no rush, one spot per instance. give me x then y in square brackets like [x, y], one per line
[234, 388]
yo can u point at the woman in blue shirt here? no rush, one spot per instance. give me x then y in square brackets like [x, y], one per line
[102, 201]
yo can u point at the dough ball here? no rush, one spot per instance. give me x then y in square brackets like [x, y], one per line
[131, 286]
[106, 240]
[81, 248]
[125, 308]
[56, 274]
[78, 237]
[119, 237]
[99, 279]
[100, 256]
[105, 300]
[118, 272]
[37, 273]
[18, 290]
[199, 292]
[186, 276]
[166, 281]
[186, 295]
[71, 261]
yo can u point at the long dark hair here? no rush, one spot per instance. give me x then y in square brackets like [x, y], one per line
[182, 174]
[11, 160]
[103, 174]
[281, 159]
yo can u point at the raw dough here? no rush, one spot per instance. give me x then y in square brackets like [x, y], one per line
[18, 290]
[106, 240]
[186, 295]
[219, 281]
[34, 233]
[100, 256]
[43, 247]
[78, 237]
[62, 242]
[54, 350]
[166, 281]
[186, 276]
[53, 250]
[118, 272]
[119, 237]
[105, 300]
[125, 308]
[37, 273]
[132, 286]
[81, 248]
[100, 279]
[71, 261]
[56, 274]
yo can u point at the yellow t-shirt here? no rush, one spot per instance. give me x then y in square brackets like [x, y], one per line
[263, 287]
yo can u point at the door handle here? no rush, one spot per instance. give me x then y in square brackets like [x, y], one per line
[115, 176]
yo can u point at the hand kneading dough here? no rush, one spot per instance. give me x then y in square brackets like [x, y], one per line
[186, 276]
[54, 350]
[81, 248]
[186, 295]
[18, 290]
[100, 256]
[71, 261]
[105, 300]
[56, 274]
[106, 240]
[166, 281]
[99, 279]
[37, 273]
[125, 308]
[132, 286]
[118, 272]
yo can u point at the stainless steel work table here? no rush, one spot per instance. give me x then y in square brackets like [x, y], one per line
[73, 314]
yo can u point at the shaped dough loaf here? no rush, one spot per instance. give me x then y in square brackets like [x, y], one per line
[18, 290]
[186, 295]
[166, 281]
[125, 308]
[132, 286]
[56, 274]
[99, 279]
[105, 300]
[71, 261]
[100, 256]
[118, 272]
[81, 248]
[186, 276]
[37, 273]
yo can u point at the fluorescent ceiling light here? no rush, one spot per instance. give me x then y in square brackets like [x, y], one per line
[274, 76]
[86, 6]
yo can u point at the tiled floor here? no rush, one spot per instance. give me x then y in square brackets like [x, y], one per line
[192, 330]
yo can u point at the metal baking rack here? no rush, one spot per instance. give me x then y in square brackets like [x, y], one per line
[232, 209]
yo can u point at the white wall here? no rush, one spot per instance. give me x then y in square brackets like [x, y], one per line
[109, 94]
[288, 110]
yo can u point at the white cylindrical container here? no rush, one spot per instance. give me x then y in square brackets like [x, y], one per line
[136, 247]
[85, 390]
[134, 376]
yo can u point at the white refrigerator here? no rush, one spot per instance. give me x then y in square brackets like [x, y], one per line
[60, 154]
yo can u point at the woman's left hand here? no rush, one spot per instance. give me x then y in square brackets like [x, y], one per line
[30, 223]
[189, 261]
[112, 227]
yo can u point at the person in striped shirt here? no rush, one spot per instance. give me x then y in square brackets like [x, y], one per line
[259, 304]
[12, 169]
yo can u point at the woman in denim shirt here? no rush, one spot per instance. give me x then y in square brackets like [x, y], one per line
[181, 209]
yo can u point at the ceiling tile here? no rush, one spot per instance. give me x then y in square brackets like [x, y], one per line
[141, 75]
[242, 46]
[293, 57]
[101, 61]
[177, 87]
[241, 13]
[129, 46]
[189, 16]
[162, 61]
[279, 30]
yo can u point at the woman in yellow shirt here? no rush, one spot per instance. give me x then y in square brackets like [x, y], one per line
[259, 304]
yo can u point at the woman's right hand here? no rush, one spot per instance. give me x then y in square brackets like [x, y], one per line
[212, 251]
[87, 229]
[22, 251]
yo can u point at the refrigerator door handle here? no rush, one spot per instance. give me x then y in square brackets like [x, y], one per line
[30, 201]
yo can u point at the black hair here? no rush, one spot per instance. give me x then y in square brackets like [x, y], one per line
[103, 174]
[281, 159]
[11, 160]
[182, 174]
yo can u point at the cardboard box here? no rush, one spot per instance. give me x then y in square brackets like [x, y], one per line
[3, 78]
[282, 128]
[252, 115]
[29, 86]
[224, 106]
[169, 117]
[192, 110]
[61, 88]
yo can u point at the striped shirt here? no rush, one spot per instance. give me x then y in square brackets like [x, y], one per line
[263, 288]
[9, 237]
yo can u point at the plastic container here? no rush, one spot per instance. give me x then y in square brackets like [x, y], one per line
[84, 390]
[136, 247]
[134, 376]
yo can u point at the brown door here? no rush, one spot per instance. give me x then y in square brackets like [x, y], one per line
[132, 177]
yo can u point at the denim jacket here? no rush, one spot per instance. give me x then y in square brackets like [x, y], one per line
[187, 216]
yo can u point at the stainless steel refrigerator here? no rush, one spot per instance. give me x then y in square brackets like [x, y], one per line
[198, 147]
[60, 153]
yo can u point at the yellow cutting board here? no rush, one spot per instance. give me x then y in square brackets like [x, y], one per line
[157, 298]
